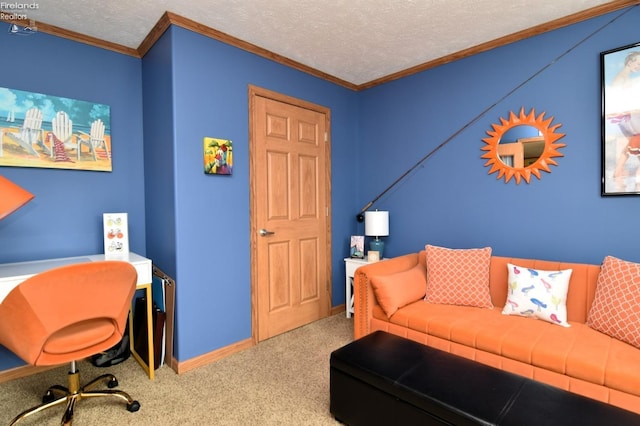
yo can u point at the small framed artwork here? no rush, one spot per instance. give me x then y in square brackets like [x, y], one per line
[116, 235]
[356, 247]
[373, 256]
[218, 156]
[620, 70]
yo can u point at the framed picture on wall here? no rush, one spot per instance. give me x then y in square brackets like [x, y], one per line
[620, 69]
[218, 156]
[40, 130]
[356, 247]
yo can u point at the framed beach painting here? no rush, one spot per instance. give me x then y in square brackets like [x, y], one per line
[38, 130]
[620, 70]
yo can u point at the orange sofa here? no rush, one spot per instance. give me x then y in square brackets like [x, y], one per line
[575, 358]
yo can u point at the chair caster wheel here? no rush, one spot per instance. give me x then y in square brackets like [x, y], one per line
[48, 397]
[112, 383]
[133, 407]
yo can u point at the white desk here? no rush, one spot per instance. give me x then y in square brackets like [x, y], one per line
[12, 274]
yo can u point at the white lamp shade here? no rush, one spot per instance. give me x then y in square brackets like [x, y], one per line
[376, 223]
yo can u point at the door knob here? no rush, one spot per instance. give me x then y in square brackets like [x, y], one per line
[264, 232]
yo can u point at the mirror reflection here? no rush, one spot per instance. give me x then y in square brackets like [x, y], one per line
[521, 146]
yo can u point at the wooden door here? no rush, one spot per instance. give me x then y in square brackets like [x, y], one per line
[290, 177]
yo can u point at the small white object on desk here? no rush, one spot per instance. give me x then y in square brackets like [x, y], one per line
[116, 235]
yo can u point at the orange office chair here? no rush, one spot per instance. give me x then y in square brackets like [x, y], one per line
[66, 314]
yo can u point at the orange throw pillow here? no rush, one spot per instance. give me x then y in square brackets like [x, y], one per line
[616, 306]
[458, 276]
[394, 291]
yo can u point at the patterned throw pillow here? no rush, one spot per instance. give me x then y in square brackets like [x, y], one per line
[394, 291]
[538, 294]
[616, 306]
[458, 276]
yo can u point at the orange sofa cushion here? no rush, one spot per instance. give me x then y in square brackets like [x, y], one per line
[458, 276]
[394, 291]
[616, 306]
[577, 351]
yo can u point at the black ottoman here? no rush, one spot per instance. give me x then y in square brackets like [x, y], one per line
[385, 379]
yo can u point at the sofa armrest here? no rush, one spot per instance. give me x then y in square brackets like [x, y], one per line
[364, 299]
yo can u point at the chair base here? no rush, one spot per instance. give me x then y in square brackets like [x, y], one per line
[58, 395]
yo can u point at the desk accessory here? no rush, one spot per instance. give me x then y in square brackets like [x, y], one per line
[116, 235]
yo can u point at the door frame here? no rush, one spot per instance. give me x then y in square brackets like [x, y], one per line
[255, 91]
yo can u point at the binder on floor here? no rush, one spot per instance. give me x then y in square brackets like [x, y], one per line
[163, 297]
[165, 286]
[141, 338]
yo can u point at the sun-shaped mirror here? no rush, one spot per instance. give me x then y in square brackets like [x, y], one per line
[521, 146]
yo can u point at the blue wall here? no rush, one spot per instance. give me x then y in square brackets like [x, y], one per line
[159, 156]
[65, 218]
[452, 201]
[201, 86]
[196, 227]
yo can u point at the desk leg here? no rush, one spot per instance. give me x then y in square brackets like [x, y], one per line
[148, 368]
[150, 332]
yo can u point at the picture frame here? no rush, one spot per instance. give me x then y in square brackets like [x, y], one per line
[356, 247]
[218, 156]
[116, 235]
[620, 71]
[47, 131]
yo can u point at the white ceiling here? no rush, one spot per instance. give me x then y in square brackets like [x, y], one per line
[357, 41]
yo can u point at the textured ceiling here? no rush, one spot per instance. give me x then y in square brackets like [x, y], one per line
[357, 41]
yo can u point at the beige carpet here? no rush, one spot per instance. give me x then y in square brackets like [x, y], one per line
[281, 381]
